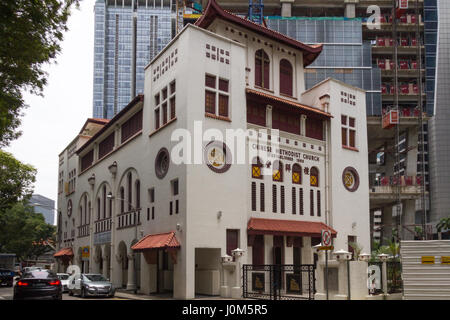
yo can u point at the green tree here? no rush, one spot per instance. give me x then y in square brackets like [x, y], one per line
[443, 224]
[16, 180]
[30, 33]
[22, 231]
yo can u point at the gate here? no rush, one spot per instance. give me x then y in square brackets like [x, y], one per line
[279, 282]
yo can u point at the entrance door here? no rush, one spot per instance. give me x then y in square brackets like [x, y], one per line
[278, 260]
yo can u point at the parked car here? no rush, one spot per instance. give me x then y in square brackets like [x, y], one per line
[64, 278]
[6, 277]
[38, 284]
[91, 285]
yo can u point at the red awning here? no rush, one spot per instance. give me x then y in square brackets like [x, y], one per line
[157, 241]
[287, 227]
[65, 252]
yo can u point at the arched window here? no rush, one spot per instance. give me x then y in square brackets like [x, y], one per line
[138, 194]
[285, 77]
[257, 168]
[89, 214]
[277, 171]
[296, 174]
[314, 177]
[130, 192]
[98, 208]
[81, 215]
[262, 69]
[104, 202]
[86, 212]
[122, 201]
[110, 208]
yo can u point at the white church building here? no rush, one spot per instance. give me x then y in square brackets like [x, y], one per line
[225, 150]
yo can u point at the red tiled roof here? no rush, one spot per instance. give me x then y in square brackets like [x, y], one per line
[213, 10]
[157, 241]
[287, 227]
[285, 101]
[64, 252]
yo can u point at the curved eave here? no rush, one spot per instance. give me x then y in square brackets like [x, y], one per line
[213, 11]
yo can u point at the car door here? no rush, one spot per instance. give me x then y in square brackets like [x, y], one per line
[77, 284]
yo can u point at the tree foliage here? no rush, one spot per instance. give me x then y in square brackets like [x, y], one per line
[23, 232]
[443, 224]
[16, 180]
[30, 33]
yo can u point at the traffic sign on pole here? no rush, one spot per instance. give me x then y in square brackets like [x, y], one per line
[326, 238]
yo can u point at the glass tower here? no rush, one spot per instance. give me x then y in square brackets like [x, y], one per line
[345, 56]
[128, 34]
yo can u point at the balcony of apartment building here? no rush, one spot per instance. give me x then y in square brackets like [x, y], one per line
[407, 22]
[384, 190]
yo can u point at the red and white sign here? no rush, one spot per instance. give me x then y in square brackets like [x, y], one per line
[403, 4]
[326, 238]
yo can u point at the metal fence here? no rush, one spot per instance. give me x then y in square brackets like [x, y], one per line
[279, 282]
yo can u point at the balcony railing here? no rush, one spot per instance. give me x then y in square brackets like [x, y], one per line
[83, 231]
[128, 219]
[103, 225]
[407, 184]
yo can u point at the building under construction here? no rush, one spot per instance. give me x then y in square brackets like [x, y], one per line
[391, 56]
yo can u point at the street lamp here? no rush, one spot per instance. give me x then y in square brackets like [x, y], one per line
[113, 168]
[91, 180]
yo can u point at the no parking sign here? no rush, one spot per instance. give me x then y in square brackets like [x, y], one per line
[326, 238]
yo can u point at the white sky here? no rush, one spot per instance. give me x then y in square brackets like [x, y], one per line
[51, 122]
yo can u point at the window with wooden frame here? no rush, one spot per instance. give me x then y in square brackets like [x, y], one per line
[311, 202]
[257, 168]
[348, 129]
[262, 69]
[122, 200]
[130, 190]
[131, 126]
[98, 208]
[294, 200]
[286, 79]
[262, 198]
[138, 194]
[253, 196]
[277, 171]
[104, 202]
[319, 211]
[216, 94]
[106, 146]
[172, 100]
[164, 111]
[296, 174]
[157, 119]
[282, 198]
[314, 177]
[300, 198]
[274, 198]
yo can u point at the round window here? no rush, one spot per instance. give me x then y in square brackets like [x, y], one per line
[162, 163]
[350, 179]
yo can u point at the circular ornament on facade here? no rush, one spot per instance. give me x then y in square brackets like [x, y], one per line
[69, 208]
[350, 179]
[162, 162]
[217, 156]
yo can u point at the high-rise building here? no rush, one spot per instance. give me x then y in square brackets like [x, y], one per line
[128, 34]
[440, 124]
[365, 57]
[45, 206]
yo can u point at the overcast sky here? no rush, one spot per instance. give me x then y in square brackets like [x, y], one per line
[52, 121]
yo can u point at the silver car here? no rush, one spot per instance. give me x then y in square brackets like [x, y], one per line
[64, 278]
[91, 285]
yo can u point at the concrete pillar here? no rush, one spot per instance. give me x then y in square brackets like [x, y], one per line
[184, 274]
[286, 8]
[384, 277]
[105, 266]
[408, 218]
[116, 270]
[145, 277]
[131, 285]
[350, 8]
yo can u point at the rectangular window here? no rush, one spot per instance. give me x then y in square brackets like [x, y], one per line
[223, 105]
[175, 187]
[153, 213]
[294, 201]
[210, 81]
[148, 214]
[319, 213]
[348, 131]
[210, 102]
[253, 196]
[171, 207]
[106, 146]
[157, 119]
[344, 136]
[274, 198]
[172, 87]
[132, 126]
[177, 207]
[262, 198]
[164, 109]
[172, 108]
[301, 201]
[157, 99]
[282, 199]
[311, 202]
[86, 160]
[151, 195]
[223, 85]
[164, 94]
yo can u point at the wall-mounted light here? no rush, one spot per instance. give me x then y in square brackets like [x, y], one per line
[91, 180]
[113, 168]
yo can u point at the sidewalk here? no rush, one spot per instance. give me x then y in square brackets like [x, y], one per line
[124, 294]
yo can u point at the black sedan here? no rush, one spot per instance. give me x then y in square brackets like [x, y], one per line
[38, 284]
[6, 277]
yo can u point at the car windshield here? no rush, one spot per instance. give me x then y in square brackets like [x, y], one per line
[39, 274]
[63, 276]
[95, 277]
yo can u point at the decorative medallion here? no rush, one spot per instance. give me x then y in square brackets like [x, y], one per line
[69, 208]
[350, 179]
[217, 156]
[162, 162]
